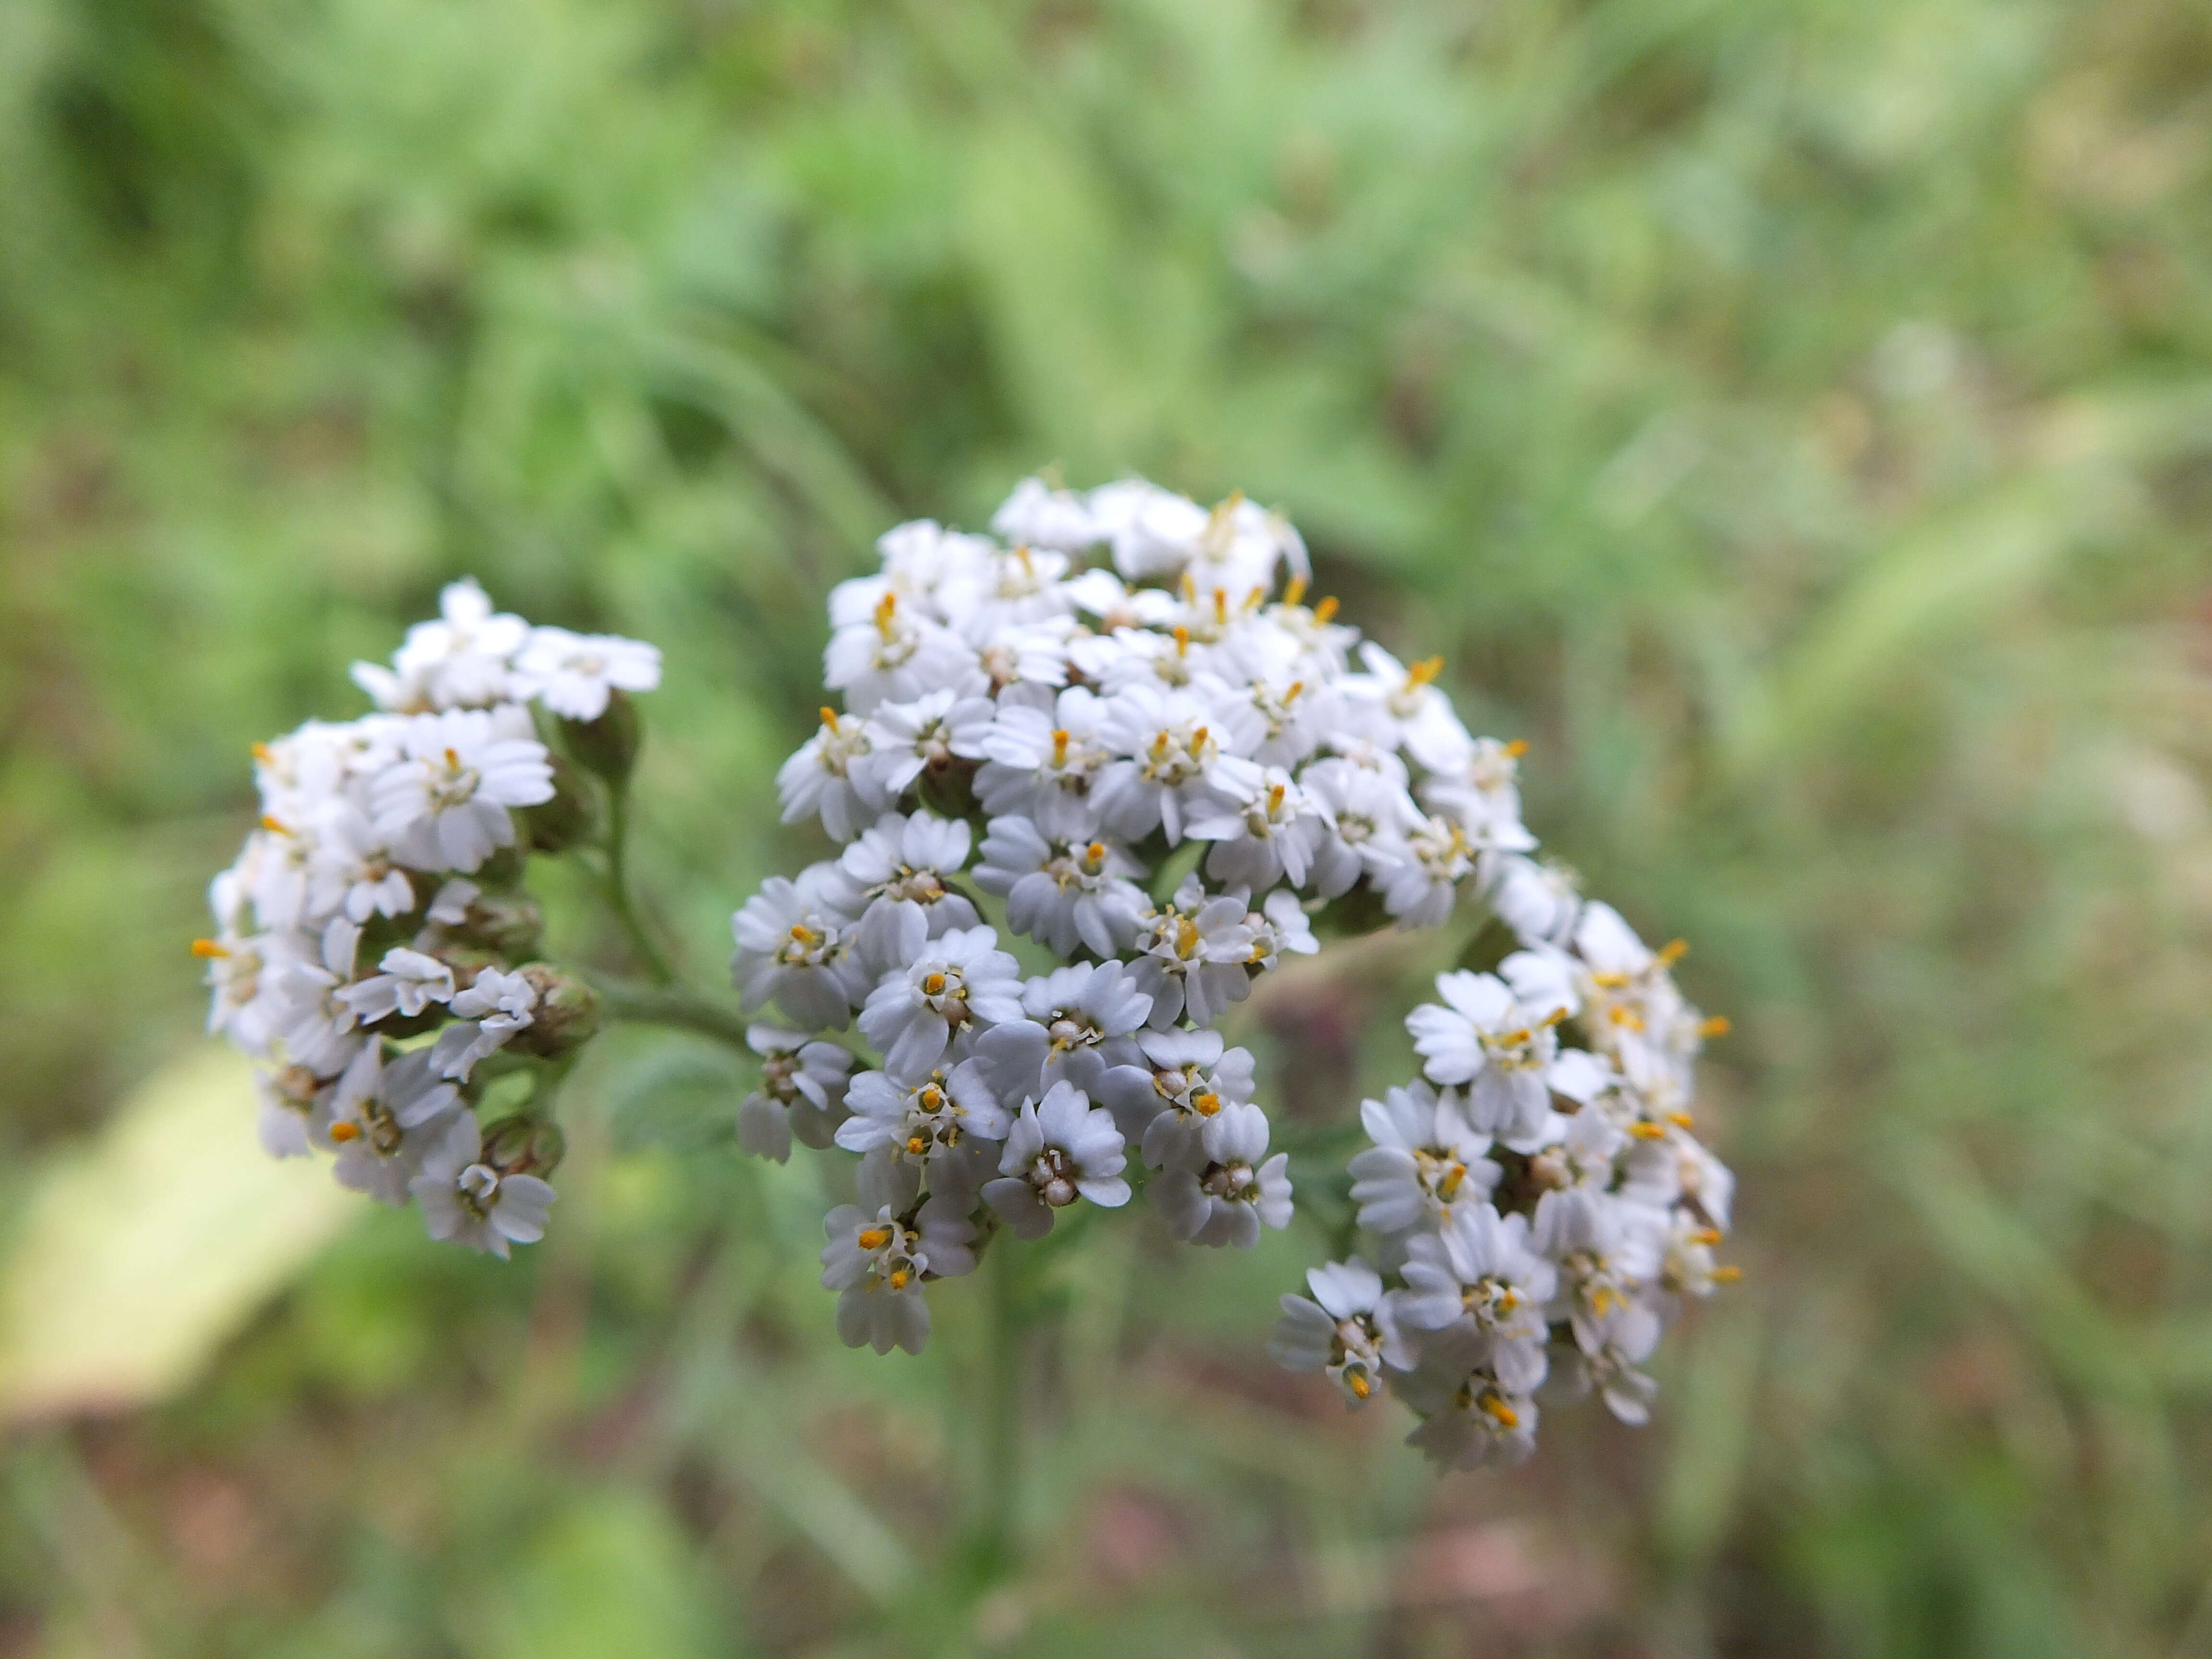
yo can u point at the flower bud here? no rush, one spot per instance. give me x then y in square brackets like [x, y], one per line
[566, 1014]
[555, 825]
[607, 745]
[526, 1146]
[507, 924]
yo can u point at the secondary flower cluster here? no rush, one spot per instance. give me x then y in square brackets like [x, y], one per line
[379, 903]
[1161, 770]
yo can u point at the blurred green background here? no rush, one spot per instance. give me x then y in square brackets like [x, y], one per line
[1793, 415]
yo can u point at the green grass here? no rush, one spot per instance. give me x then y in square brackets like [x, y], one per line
[1793, 417]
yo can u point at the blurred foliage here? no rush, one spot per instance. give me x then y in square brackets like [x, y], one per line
[1793, 415]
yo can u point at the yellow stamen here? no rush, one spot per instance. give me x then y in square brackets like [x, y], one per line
[1422, 673]
[1672, 952]
[1294, 590]
[1095, 852]
[1275, 799]
[1518, 748]
[901, 1278]
[1718, 1026]
[1197, 740]
[342, 1132]
[1220, 607]
[263, 753]
[1059, 739]
[1185, 936]
[1706, 1236]
[1681, 1120]
[1181, 640]
[1447, 1188]
[1494, 1407]
[1647, 1131]
[1206, 1103]
[828, 717]
[916, 1146]
[886, 607]
[452, 761]
[1189, 587]
[933, 984]
[272, 826]
[206, 949]
[1727, 1276]
[1609, 982]
[1291, 695]
[1358, 1382]
[873, 1238]
[1326, 609]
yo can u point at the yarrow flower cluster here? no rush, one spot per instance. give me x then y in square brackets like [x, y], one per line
[374, 947]
[1163, 769]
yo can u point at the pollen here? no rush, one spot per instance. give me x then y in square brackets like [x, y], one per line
[1060, 741]
[1646, 1130]
[1728, 1275]
[1206, 1103]
[452, 761]
[1718, 1026]
[1358, 1382]
[1291, 695]
[1275, 799]
[1294, 590]
[342, 1132]
[1181, 640]
[1220, 607]
[886, 609]
[1326, 609]
[1494, 1407]
[873, 1238]
[828, 717]
[1681, 1120]
[264, 754]
[1423, 672]
[272, 826]
[1706, 1236]
[933, 984]
[1672, 952]
[901, 1278]
[1198, 739]
[916, 1146]
[208, 948]
[1518, 748]
[1095, 852]
[1186, 937]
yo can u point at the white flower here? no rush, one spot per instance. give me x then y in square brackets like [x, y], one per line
[1195, 954]
[312, 1022]
[959, 982]
[882, 1248]
[1059, 1149]
[444, 804]
[1403, 707]
[1538, 901]
[832, 776]
[1078, 1024]
[1172, 742]
[1041, 516]
[1281, 926]
[1265, 828]
[573, 674]
[1044, 764]
[895, 656]
[803, 1087]
[1480, 1268]
[352, 871]
[383, 1120]
[494, 1007]
[795, 950]
[1347, 1331]
[1470, 1419]
[408, 982]
[1062, 892]
[467, 1201]
[1421, 884]
[1606, 1251]
[1237, 1189]
[931, 732]
[1426, 1161]
[923, 1122]
[1479, 794]
[1489, 1037]
[461, 660]
[1169, 1101]
[897, 877]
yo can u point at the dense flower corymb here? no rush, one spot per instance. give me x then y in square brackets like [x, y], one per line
[1115, 728]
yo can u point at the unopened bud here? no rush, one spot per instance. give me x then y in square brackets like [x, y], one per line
[555, 825]
[508, 924]
[566, 1014]
[526, 1146]
[607, 745]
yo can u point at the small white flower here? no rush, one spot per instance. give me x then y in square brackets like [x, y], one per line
[467, 1201]
[1062, 893]
[1265, 828]
[1169, 1101]
[1039, 516]
[1195, 954]
[1487, 1036]
[460, 661]
[1540, 902]
[898, 876]
[573, 674]
[1239, 1188]
[833, 776]
[353, 872]
[796, 950]
[1348, 1331]
[881, 1249]
[406, 983]
[1470, 1419]
[1171, 741]
[960, 982]
[1426, 1161]
[383, 1120]
[897, 656]
[924, 1121]
[444, 804]
[931, 732]
[1281, 926]
[1044, 764]
[1060, 1149]
[802, 1092]
[494, 1007]
[1481, 1269]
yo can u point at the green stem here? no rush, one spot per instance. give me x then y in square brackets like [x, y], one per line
[997, 1545]
[674, 1006]
[617, 887]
